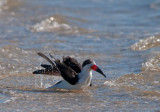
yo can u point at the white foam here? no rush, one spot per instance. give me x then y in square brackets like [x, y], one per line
[11, 99]
[152, 63]
[110, 83]
[147, 43]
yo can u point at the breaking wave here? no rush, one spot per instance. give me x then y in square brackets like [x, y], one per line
[146, 83]
[141, 85]
[152, 64]
[59, 24]
[148, 43]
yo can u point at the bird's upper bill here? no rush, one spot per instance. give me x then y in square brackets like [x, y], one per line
[97, 69]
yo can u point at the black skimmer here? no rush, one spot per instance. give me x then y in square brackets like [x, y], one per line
[76, 77]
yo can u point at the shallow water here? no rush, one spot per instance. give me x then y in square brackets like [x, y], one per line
[121, 36]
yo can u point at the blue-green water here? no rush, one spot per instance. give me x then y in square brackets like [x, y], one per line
[121, 36]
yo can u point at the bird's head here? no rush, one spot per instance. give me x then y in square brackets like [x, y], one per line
[90, 64]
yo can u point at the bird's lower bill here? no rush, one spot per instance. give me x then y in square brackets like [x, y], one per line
[97, 69]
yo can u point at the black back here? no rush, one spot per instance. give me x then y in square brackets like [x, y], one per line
[68, 68]
[67, 73]
[72, 63]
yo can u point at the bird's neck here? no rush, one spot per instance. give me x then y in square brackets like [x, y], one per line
[85, 76]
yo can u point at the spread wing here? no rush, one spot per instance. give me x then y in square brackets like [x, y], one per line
[48, 69]
[67, 73]
[59, 68]
[72, 63]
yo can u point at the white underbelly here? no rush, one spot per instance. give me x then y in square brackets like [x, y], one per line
[65, 85]
[85, 82]
[82, 83]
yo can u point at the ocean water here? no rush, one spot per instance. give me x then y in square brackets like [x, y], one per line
[123, 37]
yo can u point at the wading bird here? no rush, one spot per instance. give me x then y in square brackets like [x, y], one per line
[75, 75]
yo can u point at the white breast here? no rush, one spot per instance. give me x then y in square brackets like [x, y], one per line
[85, 78]
[84, 81]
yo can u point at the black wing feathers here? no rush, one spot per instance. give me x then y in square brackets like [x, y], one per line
[72, 63]
[48, 70]
[67, 73]
[46, 66]
[45, 57]
[68, 68]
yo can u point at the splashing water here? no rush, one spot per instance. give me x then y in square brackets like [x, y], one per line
[86, 29]
[59, 24]
[153, 41]
[153, 64]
